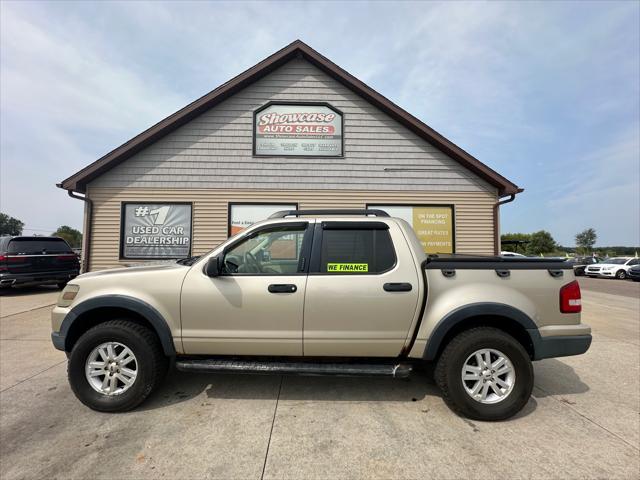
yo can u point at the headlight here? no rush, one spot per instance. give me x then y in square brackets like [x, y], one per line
[68, 295]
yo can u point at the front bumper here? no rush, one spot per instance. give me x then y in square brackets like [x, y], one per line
[604, 274]
[37, 278]
[58, 315]
[58, 340]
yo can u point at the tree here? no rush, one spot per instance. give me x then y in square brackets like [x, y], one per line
[541, 242]
[10, 225]
[72, 236]
[516, 236]
[586, 239]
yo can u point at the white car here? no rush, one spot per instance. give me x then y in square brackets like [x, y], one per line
[511, 254]
[612, 267]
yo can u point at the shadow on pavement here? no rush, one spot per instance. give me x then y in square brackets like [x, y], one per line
[179, 387]
[554, 377]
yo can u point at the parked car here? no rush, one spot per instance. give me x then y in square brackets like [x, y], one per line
[612, 267]
[580, 263]
[36, 261]
[634, 273]
[360, 283]
[511, 254]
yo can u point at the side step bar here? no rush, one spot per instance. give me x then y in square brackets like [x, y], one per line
[399, 370]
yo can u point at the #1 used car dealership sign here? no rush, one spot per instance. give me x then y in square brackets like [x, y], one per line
[298, 129]
[155, 230]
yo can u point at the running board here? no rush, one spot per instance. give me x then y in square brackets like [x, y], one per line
[399, 370]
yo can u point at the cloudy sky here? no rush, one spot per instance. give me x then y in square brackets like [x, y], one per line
[545, 93]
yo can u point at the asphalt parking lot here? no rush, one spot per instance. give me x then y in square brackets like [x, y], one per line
[582, 421]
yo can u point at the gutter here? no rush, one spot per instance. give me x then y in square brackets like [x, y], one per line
[86, 235]
[496, 220]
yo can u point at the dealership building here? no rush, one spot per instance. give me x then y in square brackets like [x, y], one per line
[295, 131]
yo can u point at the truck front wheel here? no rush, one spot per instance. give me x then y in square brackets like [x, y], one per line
[485, 374]
[115, 365]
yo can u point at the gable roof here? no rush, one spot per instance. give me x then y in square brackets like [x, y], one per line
[79, 180]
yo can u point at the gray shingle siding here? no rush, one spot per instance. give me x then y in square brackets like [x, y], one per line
[214, 150]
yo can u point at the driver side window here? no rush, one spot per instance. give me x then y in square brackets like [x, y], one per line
[275, 251]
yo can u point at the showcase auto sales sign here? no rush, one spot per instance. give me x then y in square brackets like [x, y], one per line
[303, 130]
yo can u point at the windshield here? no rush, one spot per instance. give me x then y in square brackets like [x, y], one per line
[616, 261]
[36, 246]
[191, 260]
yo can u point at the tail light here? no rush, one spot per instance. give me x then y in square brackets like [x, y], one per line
[3, 263]
[570, 298]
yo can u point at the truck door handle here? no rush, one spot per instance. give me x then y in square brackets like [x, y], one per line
[397, 287]
[282, 288]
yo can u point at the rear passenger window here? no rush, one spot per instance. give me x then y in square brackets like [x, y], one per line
[363, 251]
[38, 246]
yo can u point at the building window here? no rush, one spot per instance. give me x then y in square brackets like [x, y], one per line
[243, 215]
[434, 224]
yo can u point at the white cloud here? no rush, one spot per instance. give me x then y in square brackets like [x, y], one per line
[524, 87]
[62, 106]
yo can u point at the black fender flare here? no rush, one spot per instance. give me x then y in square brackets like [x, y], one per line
[488, 309]
[140, 307]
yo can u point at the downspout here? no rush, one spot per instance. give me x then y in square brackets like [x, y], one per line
[86, 235]
[496, 221]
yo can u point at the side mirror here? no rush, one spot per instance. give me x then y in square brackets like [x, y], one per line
[212, 268]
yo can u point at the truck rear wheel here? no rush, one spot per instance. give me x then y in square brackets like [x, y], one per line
[485, 374]
[115, 365]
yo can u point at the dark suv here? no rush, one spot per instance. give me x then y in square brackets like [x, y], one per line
[580, 263]
[36, 261]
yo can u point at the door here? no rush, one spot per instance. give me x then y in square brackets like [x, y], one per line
[255, 306]
[362, 290]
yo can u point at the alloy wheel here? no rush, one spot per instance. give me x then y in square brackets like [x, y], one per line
[488, 376]
[111, 368]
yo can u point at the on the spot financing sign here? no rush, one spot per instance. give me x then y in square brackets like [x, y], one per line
[302, 130]
[434, 224]
[156, 230]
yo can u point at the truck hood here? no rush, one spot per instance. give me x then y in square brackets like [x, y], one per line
[164, 266]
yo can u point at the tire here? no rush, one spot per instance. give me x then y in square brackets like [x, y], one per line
[621, 274]
[460, 350]
[149, 361]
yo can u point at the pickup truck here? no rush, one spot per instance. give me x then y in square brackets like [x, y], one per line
[338, 292]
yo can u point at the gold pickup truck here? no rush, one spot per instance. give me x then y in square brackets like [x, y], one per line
[342, 292]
